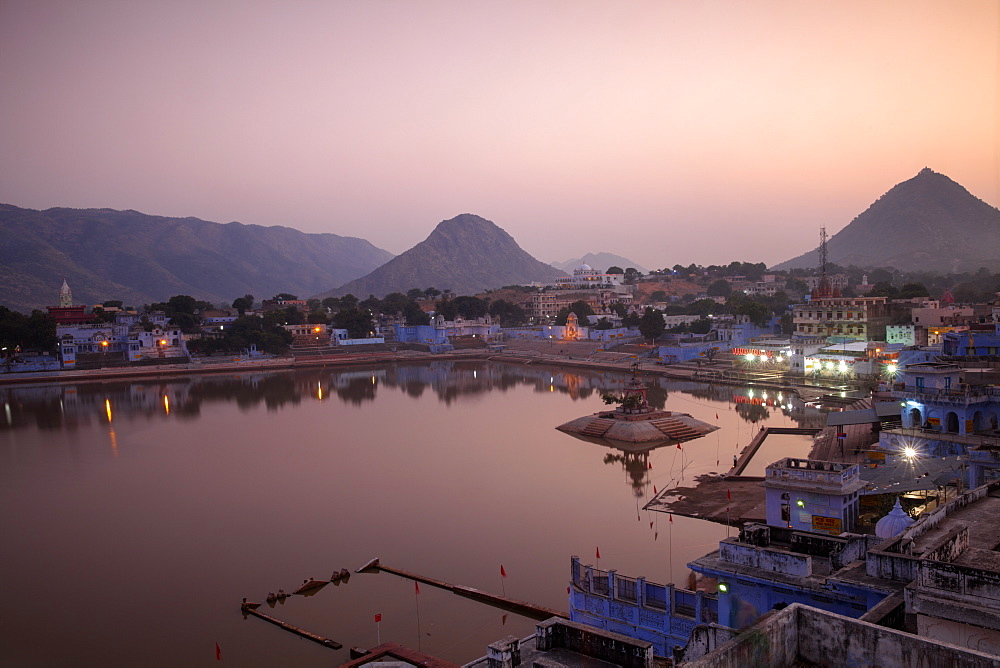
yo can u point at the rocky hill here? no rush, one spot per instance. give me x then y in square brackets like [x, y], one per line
[928, 223]
[138, 258]
[466, 254]
[599, 261]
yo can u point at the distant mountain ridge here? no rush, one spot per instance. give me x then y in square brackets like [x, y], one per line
[466, 254]
[139, 258]
[599, 261]
[927, 223]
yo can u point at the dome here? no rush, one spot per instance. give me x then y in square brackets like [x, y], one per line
[893, 524]
[584, 267]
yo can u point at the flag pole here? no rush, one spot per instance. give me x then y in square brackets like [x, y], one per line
[416, 599]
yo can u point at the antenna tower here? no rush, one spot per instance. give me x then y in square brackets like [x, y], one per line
[822, 252]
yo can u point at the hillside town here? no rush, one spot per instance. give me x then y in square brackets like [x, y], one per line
[849, 543]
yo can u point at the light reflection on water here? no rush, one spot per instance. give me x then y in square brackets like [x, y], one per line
[136, 516]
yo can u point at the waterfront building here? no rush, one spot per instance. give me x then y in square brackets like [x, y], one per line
[937, 578]
[112, 344]
[68, 313]
[858, 318]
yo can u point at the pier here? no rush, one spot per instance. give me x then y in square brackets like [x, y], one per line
[524, 608]
[751, 449]
[251, 609]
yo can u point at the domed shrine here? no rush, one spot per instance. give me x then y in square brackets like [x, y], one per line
[634, 421]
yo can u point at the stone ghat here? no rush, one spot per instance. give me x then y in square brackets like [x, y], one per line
[647, 427]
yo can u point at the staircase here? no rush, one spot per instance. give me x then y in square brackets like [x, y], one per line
[597, 427]
[675, 429]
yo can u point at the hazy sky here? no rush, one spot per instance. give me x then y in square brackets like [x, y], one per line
[665, 131]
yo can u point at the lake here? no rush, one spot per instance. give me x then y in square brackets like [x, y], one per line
[136, 515]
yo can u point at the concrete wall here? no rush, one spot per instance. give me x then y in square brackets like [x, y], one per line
[766, 559]
[807, 635]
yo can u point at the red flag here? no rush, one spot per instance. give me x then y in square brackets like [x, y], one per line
[671, 516]
[650, 525]
[378, 617]
[650, 464]
[416, 587]
[679, 447]
[598, 551]
[503, 573]
[503, 621]
[716, 416]
[567, 590]
[654, 489]
[218, 652]
[729, 495]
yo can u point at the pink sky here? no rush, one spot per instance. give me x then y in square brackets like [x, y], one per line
[663, 131]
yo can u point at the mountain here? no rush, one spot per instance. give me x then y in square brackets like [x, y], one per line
[929, 223]
[466, 254]
[138, 258]
[599, 261]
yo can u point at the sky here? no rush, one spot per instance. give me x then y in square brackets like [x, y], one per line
[667, 131]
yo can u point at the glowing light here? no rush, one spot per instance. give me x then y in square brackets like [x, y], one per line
[842, 367]
[723, 588]
[104, 344]
[107, 408]
[800, 503]
[163, 342]
[909, 452]
[317, 329]
[475, 374]
[891, 368]
[166, 404]
[319, 390]
[750, 357]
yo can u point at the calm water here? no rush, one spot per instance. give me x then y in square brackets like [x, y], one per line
[136, 516]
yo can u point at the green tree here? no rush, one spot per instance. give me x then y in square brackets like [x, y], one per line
[659, 296]
[447, 309]
[431, 292]
[796, 286]
[243, 304]
[332, 303]
[604, 323]
[618, 309]
[631, 319]
[580, 307]
[471, 308]
[507, 313]
[651, 324]
[285, 297]
[911, 290]
[348, 301]
[415, 293]
[720, 288]
[414, 315]
[356, 321]
[614, 269]
[632, 276]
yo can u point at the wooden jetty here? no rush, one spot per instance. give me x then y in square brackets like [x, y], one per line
[524, 608]
[251, 609]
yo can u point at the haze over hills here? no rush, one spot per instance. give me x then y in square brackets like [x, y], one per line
[138, 258]
[928, 223]
[466, 254]
[599, 261]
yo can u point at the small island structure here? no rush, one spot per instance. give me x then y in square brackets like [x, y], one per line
[633, 421]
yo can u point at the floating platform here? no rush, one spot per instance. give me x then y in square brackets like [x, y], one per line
[646, 427]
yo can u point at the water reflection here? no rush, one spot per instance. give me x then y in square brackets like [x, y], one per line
[73, 406]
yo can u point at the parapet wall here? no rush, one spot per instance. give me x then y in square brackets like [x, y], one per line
[800, 634]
